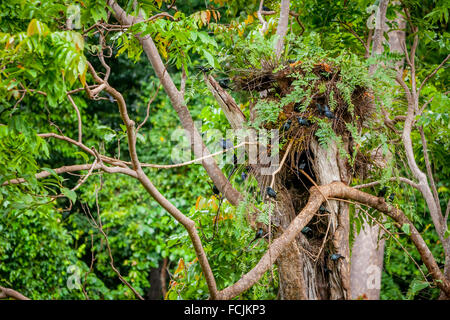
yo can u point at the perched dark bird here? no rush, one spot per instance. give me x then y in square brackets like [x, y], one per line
[319, 108]
[243, 176]
[306, 230]
[258, 235]
[215, 190]
[382, 192]
[266, 8]
[286, 125]
[391, 197]
[303, 122]
[326, 270]
[336, 256]
[235, 160]
[327, 112]
[302, 165]
[271, 193]
[226, 144]
[204, 69]
[224, 83]
[323, 209]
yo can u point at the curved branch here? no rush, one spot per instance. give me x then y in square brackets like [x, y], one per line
[11, 293]
[80, 129]
[177, 100]
[401, 179]
[317, 196]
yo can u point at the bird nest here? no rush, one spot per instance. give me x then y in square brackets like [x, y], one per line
[298, 121]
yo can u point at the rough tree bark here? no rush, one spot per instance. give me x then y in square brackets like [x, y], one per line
[368, 248]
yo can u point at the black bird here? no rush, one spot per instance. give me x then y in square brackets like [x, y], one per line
[336, 256]
[215, 190]
[323, 209]
[306, 230]
[224, 83]
[391, 197]
[271, 193]
[235, 160]
[258, 235]
[266, 8]
[327, 112]
[302, 165]
[326, 270]
[382, 192]
[303, 122]
[226, 144]
[204, 69]
[286, 125]
[319, 108]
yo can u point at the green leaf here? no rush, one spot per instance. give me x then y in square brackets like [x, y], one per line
[209, 57]
[52, 172]
[406, 229]
[417, 285]
[69, 194]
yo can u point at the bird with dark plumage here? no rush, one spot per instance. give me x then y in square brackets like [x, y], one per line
[226, 144]
[319, 108]
[391, 197]
[302, 165]
[323, 209]
[215, 190]
[266, 8]
[286, 125]
[243, 176]
[271, 193]
[258, 235]
[382, 192]
[307, 231]
[204, 69]
[327, 112]
[303, 122]
[225, 83]
[336, 256]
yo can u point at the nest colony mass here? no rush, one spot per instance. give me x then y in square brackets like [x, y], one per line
[300, 124]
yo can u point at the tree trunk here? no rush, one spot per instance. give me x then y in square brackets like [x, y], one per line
[306, 269]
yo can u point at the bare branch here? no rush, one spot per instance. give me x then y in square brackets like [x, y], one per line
[375, 183]
[432, 74]
[282, 28]
[428, 166]
[148, 108]
[80, 129]
[64, 169]
[11, 293]
[177, 100]
[263, 28]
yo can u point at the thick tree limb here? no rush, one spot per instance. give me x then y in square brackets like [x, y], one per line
[341, 191]
[282, 28]
[179, 105]
[64, 169]
[10, 293]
